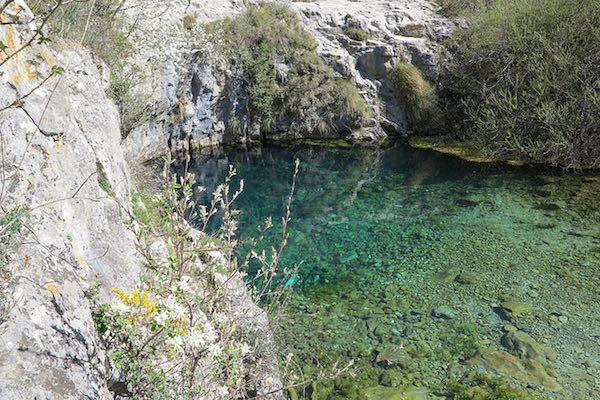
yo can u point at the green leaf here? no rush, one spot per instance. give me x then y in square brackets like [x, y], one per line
[57, 70]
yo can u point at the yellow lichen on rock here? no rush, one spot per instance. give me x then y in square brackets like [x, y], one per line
[52, 288]
[48, 57]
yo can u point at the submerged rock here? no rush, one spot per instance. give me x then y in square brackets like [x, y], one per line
[391, 377]
[467, 278]
[511, 309]
[444, 312]
[390, 356]
[524, 346]
[527, 372]
[387, 393]
[447, 274]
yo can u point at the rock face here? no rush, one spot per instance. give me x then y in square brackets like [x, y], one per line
[60, 149]
[193, 95]
[185, 94]
[400, 30]
[63, 162]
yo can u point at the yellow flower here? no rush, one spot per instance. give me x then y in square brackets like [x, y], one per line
[122, 295]
[137, 299]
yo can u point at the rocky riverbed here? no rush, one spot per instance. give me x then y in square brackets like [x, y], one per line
[432, 273]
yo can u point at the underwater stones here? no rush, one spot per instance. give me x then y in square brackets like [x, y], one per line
[391, 377]
[389, 393]
[444, 312]
[511, 309]
[479, 386]
[524, 346]
[467, 278]
[528, 372]
[392, 356]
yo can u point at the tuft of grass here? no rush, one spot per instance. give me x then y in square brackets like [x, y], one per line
[286, 82]
[419, 96]
[357, 34]
[189, 21]
[525, 81]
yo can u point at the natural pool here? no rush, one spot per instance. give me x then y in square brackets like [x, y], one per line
[433, 274]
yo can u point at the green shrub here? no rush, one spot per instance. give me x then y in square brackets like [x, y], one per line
[525, 81]
[419, 96]
[357, 34]
[461, 8]
[283, 76]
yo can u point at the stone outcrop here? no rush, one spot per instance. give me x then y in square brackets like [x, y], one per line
[185, 91]
[64, 164]
[62, 160]
[400, 30]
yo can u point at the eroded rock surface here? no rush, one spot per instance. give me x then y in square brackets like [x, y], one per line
[62, 160]
[400, 30]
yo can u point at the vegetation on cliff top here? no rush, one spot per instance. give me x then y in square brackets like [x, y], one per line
[286, 82]
[525, 81]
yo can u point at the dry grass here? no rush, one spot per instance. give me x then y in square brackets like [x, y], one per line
[419, 96]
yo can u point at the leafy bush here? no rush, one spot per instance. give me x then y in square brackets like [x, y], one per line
[525, 81]
[285, 80]
[454, 8]
[188, 330]
[419, 97]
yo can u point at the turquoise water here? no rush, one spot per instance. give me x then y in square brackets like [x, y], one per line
[433, 275]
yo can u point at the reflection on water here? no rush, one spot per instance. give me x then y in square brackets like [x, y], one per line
[434, 275]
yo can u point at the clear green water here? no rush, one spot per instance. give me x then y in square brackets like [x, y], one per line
[385, 237]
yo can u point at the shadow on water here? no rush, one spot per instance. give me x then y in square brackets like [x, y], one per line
[423, 268]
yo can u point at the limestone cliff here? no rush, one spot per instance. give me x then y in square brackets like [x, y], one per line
[364, 39]
[63, 164]
[195, 98]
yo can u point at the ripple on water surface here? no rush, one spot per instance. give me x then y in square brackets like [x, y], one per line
[434, 275]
